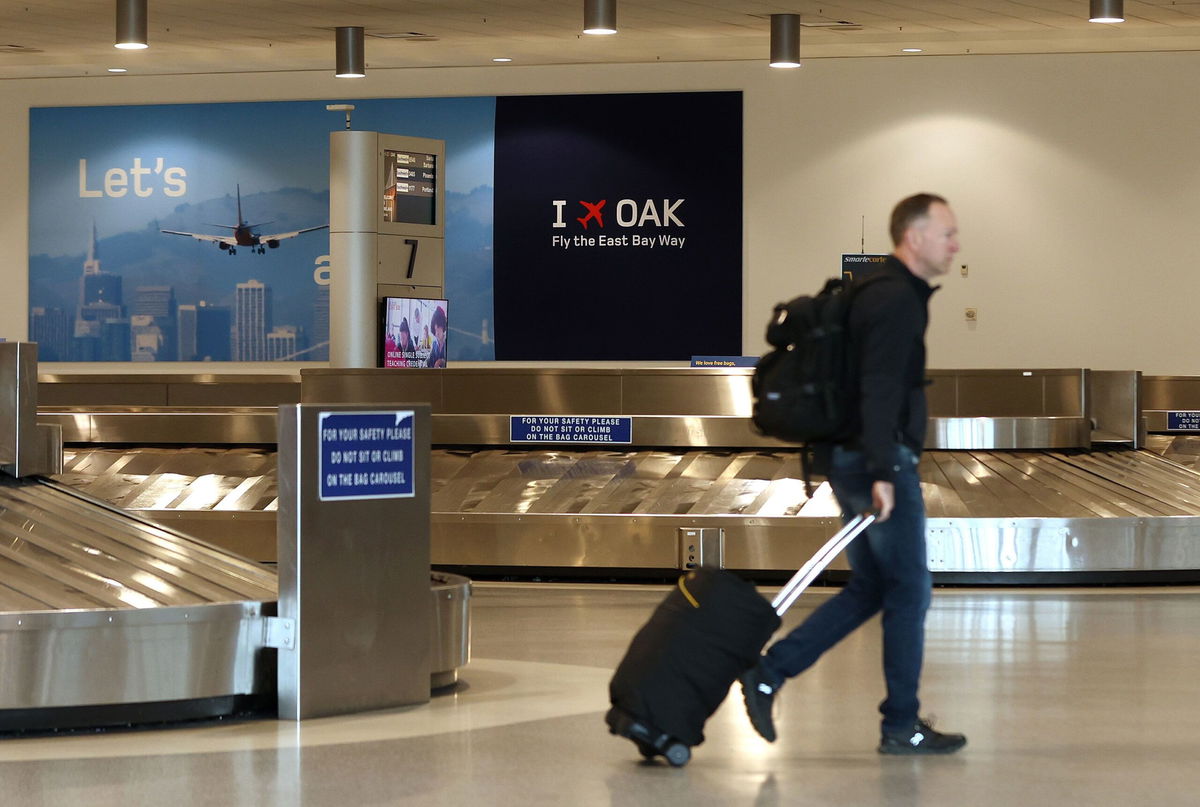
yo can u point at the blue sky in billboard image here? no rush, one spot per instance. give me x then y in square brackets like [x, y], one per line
[132, 171]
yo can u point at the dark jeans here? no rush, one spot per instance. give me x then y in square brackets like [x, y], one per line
[889, 574]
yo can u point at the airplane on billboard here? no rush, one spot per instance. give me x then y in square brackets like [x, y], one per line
[244, 235]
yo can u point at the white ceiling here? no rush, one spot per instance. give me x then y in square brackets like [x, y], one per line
[49, 38]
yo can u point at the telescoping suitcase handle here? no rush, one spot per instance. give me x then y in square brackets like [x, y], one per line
[817, 563]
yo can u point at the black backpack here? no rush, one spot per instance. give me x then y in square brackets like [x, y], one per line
[805, 389]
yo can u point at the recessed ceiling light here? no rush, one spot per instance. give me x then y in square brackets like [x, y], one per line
[117, 70]
[502, 59]
[911, 50]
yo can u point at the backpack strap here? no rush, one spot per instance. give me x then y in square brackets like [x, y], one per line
[779, 331]
[806, 458]
[856, 286]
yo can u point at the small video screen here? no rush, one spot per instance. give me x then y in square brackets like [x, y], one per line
[414, 332]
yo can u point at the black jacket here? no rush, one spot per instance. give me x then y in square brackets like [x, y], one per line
[888, 319]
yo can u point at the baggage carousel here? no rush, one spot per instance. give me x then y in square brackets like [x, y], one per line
[108, 618]
[1181, 449]
[1029, 476]
[1015, 515]
[105, 617]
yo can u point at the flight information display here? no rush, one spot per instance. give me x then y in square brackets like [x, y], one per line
[409, 186]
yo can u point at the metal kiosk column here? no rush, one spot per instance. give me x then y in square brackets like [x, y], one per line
[354, 606]
[387, 211]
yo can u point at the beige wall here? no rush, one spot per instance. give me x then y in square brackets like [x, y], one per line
[1075, 178]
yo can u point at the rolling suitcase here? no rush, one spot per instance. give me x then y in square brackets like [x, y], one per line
[708, 631]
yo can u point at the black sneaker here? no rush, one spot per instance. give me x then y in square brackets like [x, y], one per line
[921, 740]
[759, 694]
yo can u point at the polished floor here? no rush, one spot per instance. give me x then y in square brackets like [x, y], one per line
[1069, 697]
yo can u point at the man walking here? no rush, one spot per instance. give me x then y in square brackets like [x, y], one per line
[878, 469]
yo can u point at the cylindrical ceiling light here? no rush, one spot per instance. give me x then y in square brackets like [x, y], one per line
[131, 25]
[785, 40]
[600, 17]
[351, 57]
[1107, 11]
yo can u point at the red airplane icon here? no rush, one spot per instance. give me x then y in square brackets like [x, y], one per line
[593, 212]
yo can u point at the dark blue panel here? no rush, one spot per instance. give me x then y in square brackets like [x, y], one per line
[618, 226]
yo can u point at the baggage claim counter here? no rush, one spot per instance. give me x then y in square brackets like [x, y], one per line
[1032, 476]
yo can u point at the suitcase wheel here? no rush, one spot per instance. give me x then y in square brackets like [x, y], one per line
[677, 754]
[650, 743]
